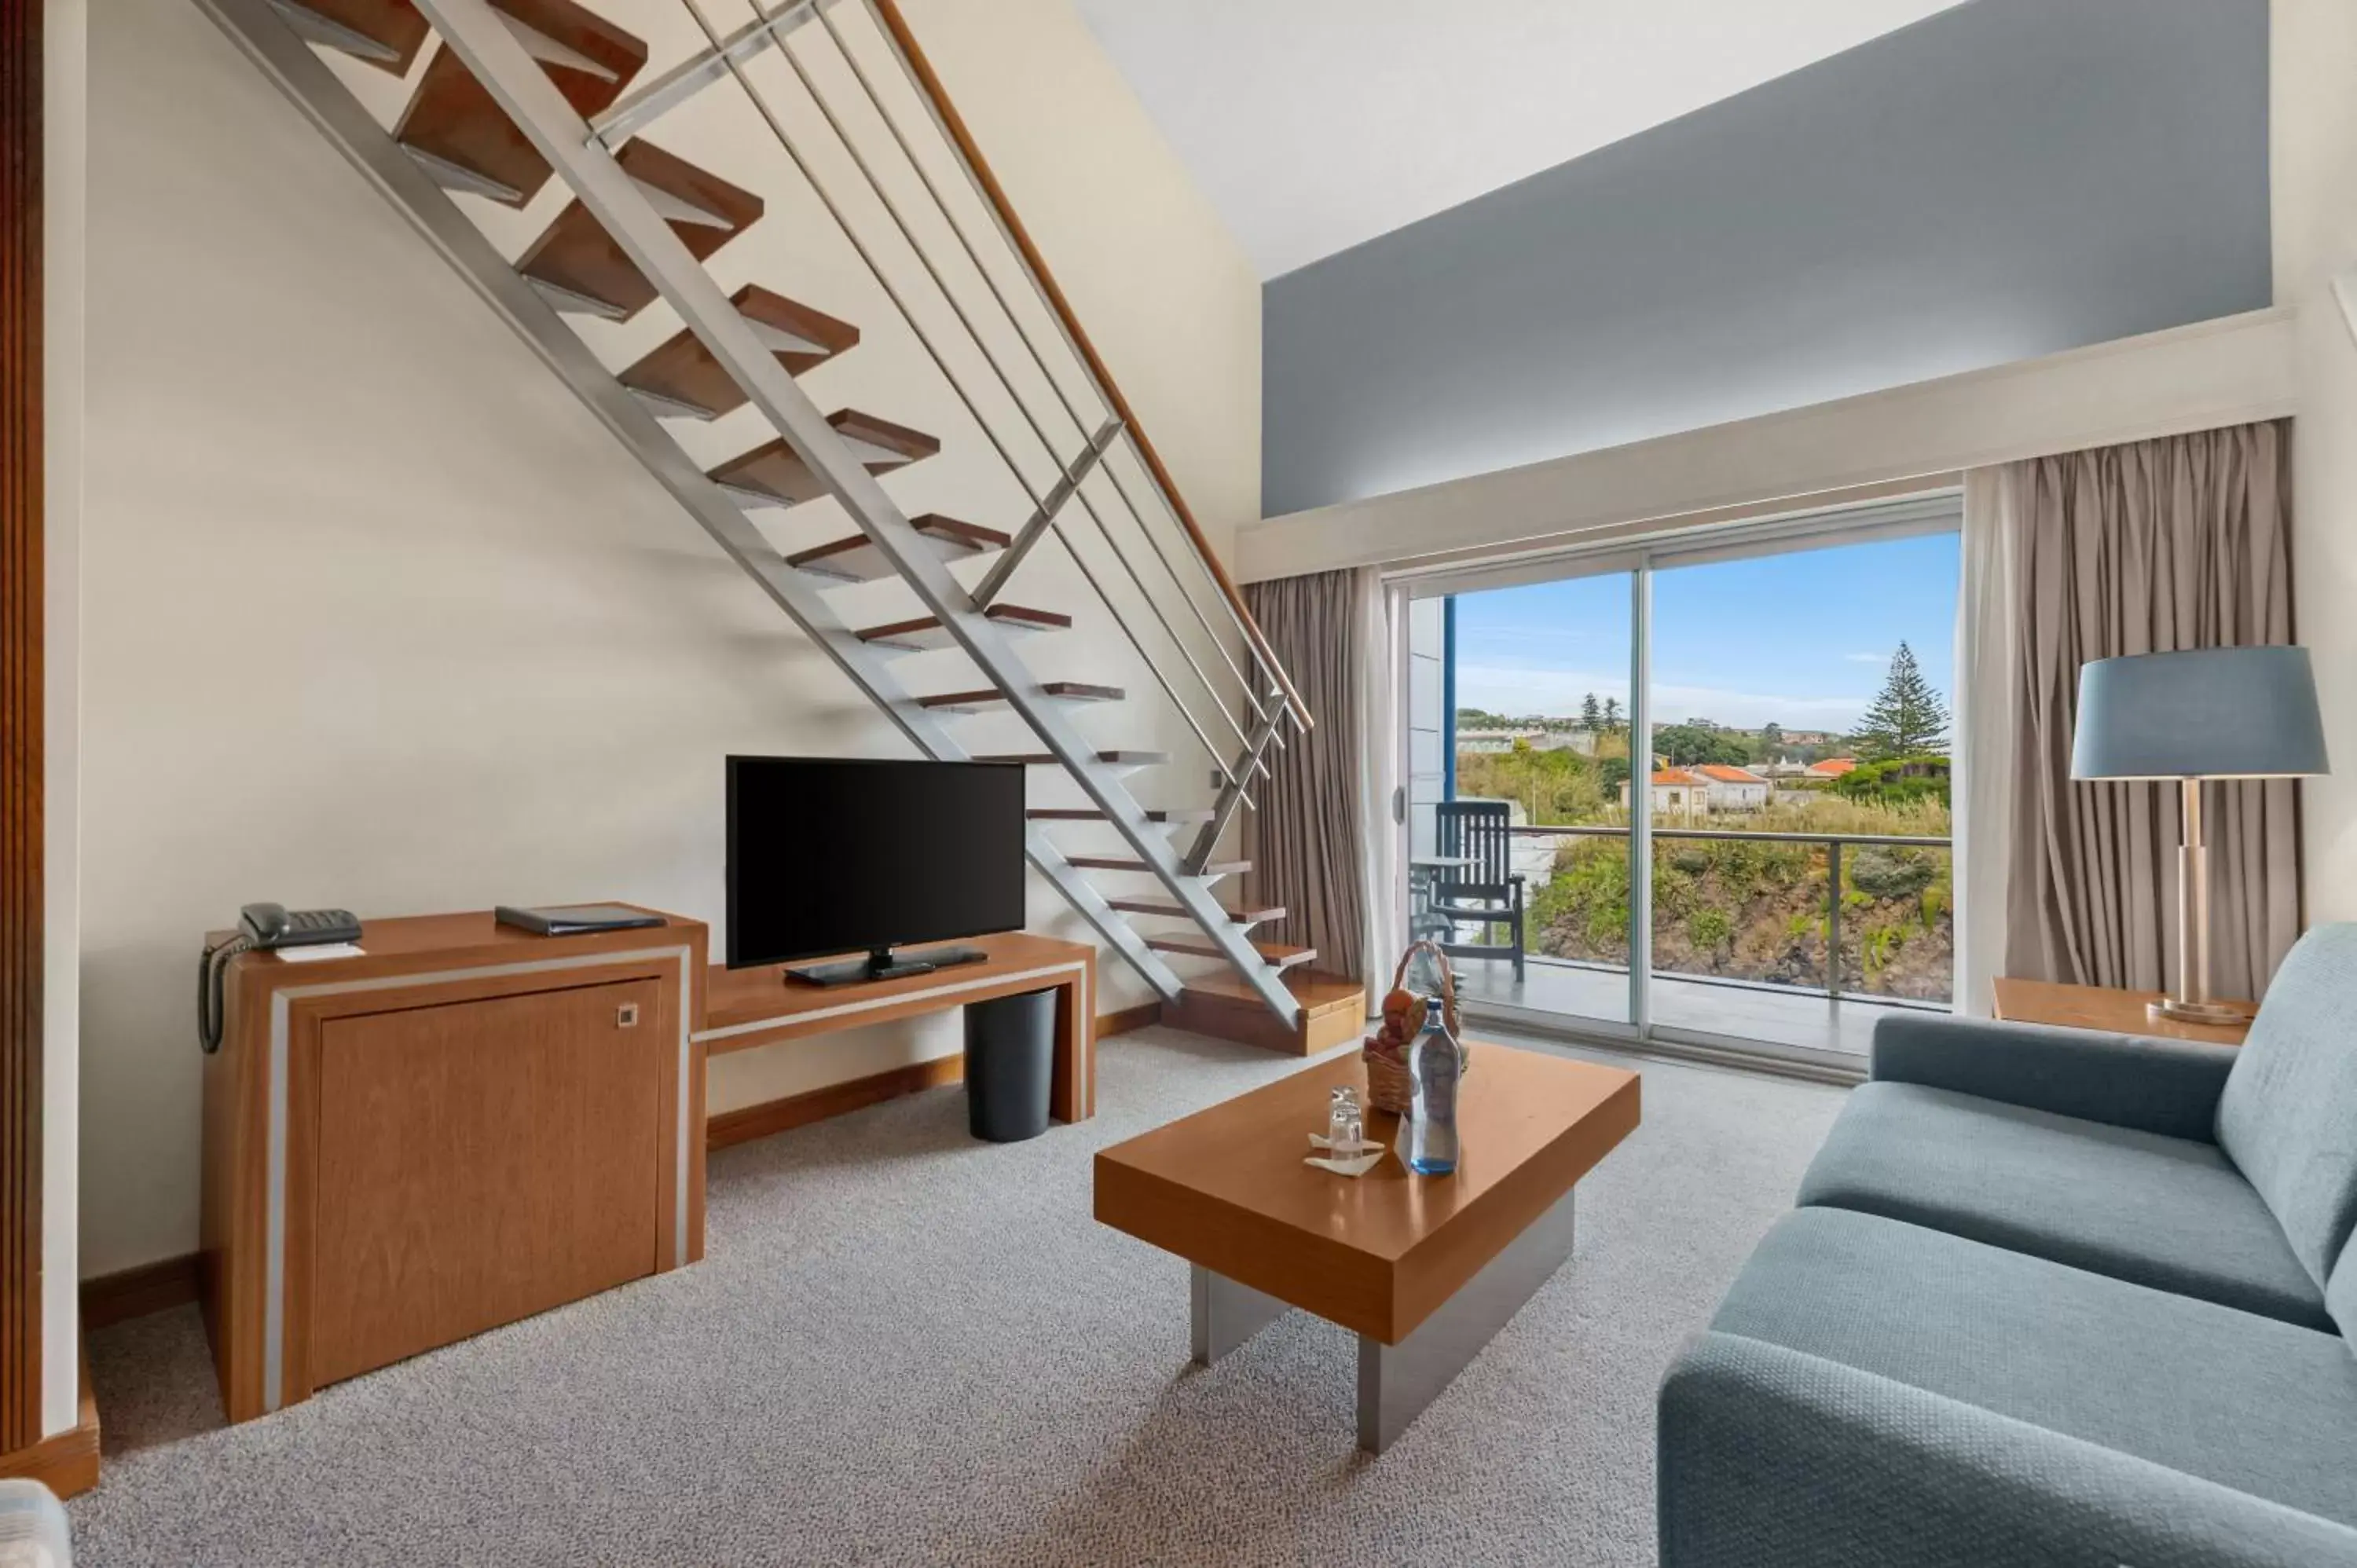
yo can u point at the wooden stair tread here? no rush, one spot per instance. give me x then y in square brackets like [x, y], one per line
[1317, 991]
[855, 558]
[927, 631]
[1049, 760]
[1067, 691]
[774, 472]
[683, 371]
[1165, 908]
[1091, 814]
[1329, 1011]
[575, 254]
[386, 33]
[452, 116]
[1117, 863]
[1282, 954]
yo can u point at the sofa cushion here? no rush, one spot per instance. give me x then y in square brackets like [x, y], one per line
[2166, 1212]
[2247, 1401]
[2289, 1114]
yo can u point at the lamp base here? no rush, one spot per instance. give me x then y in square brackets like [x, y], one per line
[2227, 1013]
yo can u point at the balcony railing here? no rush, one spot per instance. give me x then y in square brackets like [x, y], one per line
[1890, 901]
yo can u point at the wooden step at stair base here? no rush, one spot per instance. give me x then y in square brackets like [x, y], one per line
[1089, 814]
[1164, 908]
[1278, 953]
[576, 255]
[683, 374]
[1117, 863]
[452, 116]
[386, 33]
[856, 559]
[1333, 1011]
[1110, 758]
[773, 473]
[1062, 691]
[927, 632]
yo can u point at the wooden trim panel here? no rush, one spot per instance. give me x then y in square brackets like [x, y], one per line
[67, 1462]
[1128, 1019]
[22, 584]
[150, 1288]
[747, 1123]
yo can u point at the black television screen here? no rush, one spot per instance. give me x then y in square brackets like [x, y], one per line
[832, 855]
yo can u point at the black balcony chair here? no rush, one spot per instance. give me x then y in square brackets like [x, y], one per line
[1486, 892]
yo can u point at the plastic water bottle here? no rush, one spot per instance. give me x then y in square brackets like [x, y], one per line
[1435, 1065]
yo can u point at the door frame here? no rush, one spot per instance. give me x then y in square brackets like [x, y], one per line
[1938, 508]
[23, 585]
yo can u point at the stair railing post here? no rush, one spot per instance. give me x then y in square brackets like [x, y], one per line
[1043, 516]
[1231, 793]
[1833, 918]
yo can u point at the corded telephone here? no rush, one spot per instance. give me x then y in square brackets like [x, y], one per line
[275, 926]
[261, 927]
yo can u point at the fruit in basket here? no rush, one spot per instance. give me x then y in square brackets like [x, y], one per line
[1404, 1014]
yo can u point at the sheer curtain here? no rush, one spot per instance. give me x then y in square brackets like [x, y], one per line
[1985, 681]
[2156, 546]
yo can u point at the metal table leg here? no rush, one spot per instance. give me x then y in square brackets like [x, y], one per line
[1222, 1313]
[1396, 1381]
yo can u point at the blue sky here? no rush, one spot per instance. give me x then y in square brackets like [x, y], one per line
[1801, 639]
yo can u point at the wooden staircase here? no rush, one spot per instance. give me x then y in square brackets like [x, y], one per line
[512, 96]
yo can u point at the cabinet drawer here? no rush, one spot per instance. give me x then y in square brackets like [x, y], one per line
[479, 1162]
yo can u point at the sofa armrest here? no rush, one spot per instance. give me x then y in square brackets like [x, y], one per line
[1772, 1458]
[2170, 1087]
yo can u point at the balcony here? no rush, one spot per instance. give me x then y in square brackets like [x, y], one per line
[1751, 940]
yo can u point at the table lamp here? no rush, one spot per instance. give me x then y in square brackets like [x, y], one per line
[2209, 713]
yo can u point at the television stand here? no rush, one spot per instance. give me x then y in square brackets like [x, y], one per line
[883, 964]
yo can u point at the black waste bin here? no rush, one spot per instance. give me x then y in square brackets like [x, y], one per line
[1010, 1056]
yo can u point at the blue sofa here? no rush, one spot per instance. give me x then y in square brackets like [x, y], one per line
[2048, 1296]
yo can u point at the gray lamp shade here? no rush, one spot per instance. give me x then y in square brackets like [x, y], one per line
[2209, 713]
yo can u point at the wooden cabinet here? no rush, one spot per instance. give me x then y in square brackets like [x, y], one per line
[465, 1126]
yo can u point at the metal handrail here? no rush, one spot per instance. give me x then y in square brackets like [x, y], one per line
[1045, 503]
[1834, 842]
[732, 69]
[953, 126]
[1534, 830]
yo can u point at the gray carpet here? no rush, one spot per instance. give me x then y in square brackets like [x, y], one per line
[907, 1347]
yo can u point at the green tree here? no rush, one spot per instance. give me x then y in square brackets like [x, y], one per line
[1614, 772]
[1683, 746]
[1908, 719]
[1612, 715]
[1771, 738]
[1592, 716]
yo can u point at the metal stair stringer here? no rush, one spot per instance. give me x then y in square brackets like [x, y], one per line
[260, 29]
[472, 28]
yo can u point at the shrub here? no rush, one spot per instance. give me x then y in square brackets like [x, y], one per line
[1884, 872]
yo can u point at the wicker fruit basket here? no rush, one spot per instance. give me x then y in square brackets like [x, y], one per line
[1389, 1086]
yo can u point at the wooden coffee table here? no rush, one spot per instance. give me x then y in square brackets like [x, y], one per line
[1425, 1270]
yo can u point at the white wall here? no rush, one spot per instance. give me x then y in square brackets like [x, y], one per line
[378, 616]
[65, 36]
[2315, 194]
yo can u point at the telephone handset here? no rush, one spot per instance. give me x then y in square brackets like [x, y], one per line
[274, 926]
[259, 928]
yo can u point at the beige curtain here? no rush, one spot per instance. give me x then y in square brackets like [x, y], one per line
[2150, 547]
[1308, 840]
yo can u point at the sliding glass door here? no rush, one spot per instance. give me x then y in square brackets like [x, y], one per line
[1768, 866]
[1544, 687]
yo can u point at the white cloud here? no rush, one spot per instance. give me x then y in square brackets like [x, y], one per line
[1522, 689]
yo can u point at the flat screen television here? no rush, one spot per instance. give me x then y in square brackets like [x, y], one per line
[834, 856]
